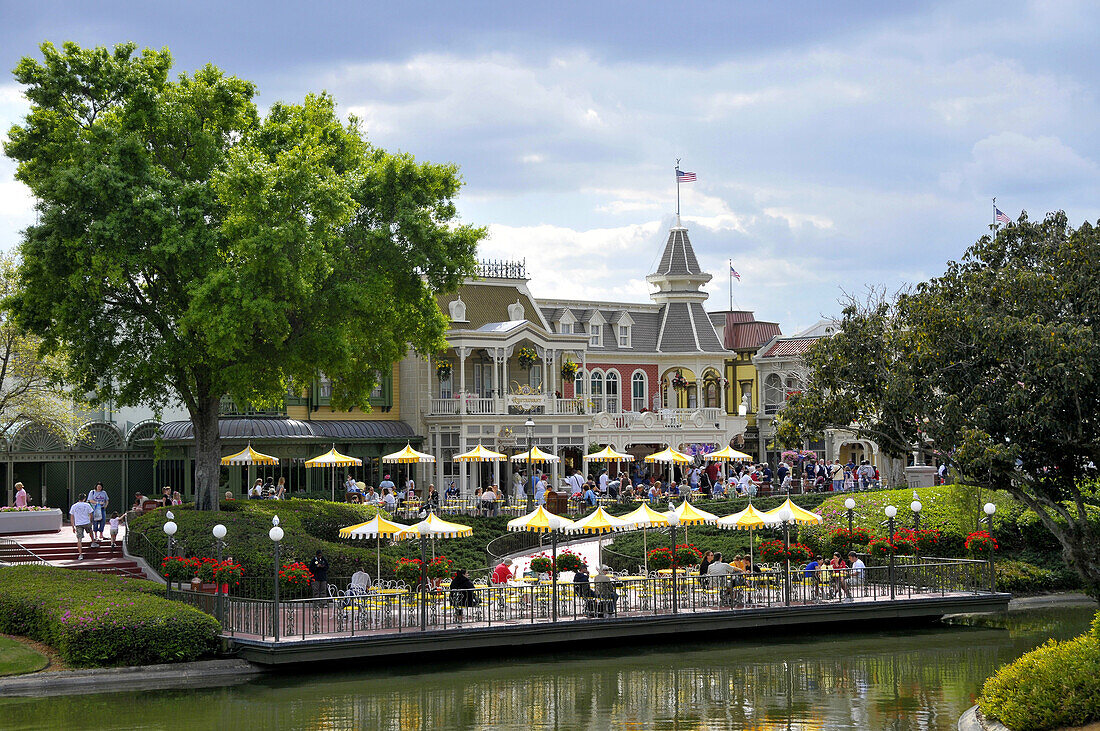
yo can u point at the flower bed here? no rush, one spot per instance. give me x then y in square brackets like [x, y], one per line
[94, 620]
[32, 519]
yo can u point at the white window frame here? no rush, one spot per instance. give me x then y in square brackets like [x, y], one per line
[595, 335]
[596, 394]
[612, 401]
[637, 403]
[624, 336]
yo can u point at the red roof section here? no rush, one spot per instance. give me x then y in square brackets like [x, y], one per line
[790, 346]
[744, 332]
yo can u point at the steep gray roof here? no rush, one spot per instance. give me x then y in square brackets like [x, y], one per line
[678, 257]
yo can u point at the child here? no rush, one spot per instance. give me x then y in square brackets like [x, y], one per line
[113, 529]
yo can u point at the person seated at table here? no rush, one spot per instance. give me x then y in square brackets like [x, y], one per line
[139, 499]
[463, 593]
[489, 502]
[433, 497]
[503, 573]
[590, 497]
[654, 493]
[603, 590]
[387, 484]
[673, 489]
[360, 580]
[856, 572]
[452, 491]
[257, 490]
[838, 570]
[583, 589]
[708, 559]
[722, 573]
[388, 500]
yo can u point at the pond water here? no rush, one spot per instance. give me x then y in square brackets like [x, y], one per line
[915, 678]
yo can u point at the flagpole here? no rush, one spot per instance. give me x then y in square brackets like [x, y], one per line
[731, 284]
[677, 191]
[994, 216]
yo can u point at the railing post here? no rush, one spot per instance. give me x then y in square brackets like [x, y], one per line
[276, 605]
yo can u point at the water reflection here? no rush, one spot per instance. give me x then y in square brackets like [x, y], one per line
[922, 679]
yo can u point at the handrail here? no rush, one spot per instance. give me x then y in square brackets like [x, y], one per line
[10, 549]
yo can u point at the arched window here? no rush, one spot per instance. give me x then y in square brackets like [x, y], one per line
[637, 391]
[597, 390]
[325, 387]
[773, 394]
[710, 394]
[578, 382]
[611, 390]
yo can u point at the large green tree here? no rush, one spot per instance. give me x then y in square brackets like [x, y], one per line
[187, 248]
[996, 363]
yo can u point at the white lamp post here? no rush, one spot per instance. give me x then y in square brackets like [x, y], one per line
[850, 506]
[915, 506]
[276, 535]
[529, 486]
[170, 529]
[990, 509]
[891, 513]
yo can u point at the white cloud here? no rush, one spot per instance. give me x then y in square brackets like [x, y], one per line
[1012, 160]
[16, 203]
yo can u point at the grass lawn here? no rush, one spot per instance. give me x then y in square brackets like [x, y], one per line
[18, 659]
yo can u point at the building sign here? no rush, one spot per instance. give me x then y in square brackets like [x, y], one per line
[526, 398]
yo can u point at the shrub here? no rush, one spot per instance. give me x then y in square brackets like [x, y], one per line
[1018, 577]
[776, 551]
[228, 572]
[980, 543]
[660, 558]
[205, 569]
[294, 578]
[928, 541]
[1055, 685]
[881, 547]
[93, 620]
[440, 567]
[905, 541]
[688, 555]
[177, 569]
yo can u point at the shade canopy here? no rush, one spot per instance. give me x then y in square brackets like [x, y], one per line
[745, 519]
[645, 517]
[670, 456]
[332, 458]
[599, 521]
[728, 454]
[376, 527]
[607, 454]
[687, 514]
[248, 456]
[788, 512]
[408, 455]
[534, 454]
[480, 454]
[540, 521]
[434, 526]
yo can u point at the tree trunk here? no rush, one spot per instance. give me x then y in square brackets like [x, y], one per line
[895, 472]
[204, 421]
[1080, 544]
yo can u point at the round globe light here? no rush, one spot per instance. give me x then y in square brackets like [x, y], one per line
[850, 504]
[915, 506]
[169, 515]
[275, 520]
[891, 511]
[170, 528]
[990, 508]
[219, 531]
[275, 534]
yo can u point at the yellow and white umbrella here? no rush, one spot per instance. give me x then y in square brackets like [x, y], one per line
[480, 454]
[644, 517]
[670, 457]
[534, 454]
[542, 520]
[750, 518]
[686, 514]
[408, 455]
[249, 456]
[376, 528]
[728, 454]
[607, 454]
[435, 527]
[334, 459]
[598, 522]
[788, 512]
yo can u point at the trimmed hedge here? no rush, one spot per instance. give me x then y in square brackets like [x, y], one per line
[93, 620]
[1055, 685]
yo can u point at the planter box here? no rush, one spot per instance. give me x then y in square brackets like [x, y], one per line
[31, 521]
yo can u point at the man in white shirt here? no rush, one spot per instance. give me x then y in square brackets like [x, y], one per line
[745, 485]
[604, 479]
[723, 573]
[576, 482]
[856, 572]
[80, 514]
[389, 500]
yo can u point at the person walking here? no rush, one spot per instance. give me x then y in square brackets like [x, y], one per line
[98, 500]
[21, 498]
[80, 515]
[318, 566]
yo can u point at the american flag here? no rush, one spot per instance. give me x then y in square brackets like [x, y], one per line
[684, 177]
[1000, 216]
[733, 273]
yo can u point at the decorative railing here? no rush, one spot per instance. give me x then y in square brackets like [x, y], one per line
[502, 269]
[444, 406]
[480, 405]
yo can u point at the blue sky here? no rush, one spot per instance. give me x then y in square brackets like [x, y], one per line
[837, 145]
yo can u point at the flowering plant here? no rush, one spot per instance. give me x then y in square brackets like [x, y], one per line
[569, 561]
[568, 371]
[527, 357]
[443, 370]
[28, 509]
[905, 541]
[679, 382]
[408, 570]
[440, 567]
[660, 558]
[981, 543]
[881, 547]
[927, 540]
[688, 555]
[178, 568]
[542, 564]
[204, 569]
[228, 572]
[295, 576]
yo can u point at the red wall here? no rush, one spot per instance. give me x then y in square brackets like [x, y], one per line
[652, 372]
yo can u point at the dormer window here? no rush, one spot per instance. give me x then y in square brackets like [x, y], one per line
[595, 331]
[457, 309]
[565, 328]
[624, 336]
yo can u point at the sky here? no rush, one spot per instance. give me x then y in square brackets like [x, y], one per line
[838, 146]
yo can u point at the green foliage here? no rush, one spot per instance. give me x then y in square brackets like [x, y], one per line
[94, 620]
[1018, 577]
[1053, 686]
[186, 248]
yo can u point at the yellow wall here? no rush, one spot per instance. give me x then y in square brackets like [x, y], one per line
[737, 370]
[325, 413]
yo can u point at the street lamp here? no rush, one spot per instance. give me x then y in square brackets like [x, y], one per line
[170, 529]
[915, 506]
[990, 509]
[276, 535]
[219, 534]
[850, 505]
[529, 487]
[891, 513]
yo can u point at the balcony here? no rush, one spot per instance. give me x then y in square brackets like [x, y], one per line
[482, 406]
[663, 419]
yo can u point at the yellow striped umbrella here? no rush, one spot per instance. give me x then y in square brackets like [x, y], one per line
[376, 528]
[749, 518]
[728, 454]
[248, 456]
[788, 512]
[408, 455]
[480, 454]
[536, 455]
[540, 520]
[435, 527]
[669, 456]
[598, 522]
[645, 517]
[687, 514]
[334, 459]
[607, 454]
